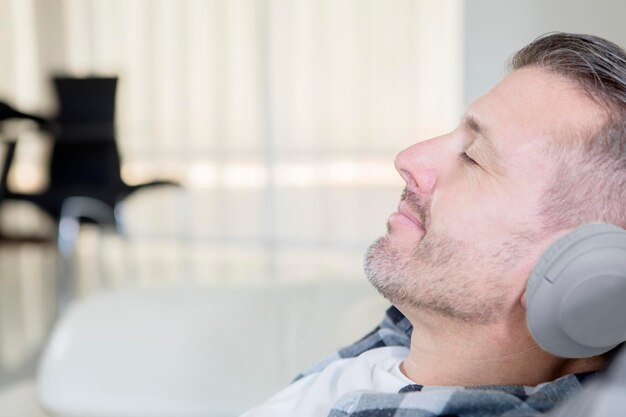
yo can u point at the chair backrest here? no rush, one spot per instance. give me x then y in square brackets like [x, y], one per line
[73, 164]
[85, 149]
[86, 106]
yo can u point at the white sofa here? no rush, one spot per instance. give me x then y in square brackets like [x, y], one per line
[196, 351]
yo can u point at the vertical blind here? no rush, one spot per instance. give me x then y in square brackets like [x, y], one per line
[281, 118]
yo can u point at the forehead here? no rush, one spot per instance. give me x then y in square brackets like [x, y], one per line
[532, 107]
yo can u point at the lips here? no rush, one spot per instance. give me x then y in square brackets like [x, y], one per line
[403, 209]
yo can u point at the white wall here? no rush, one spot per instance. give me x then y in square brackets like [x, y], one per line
[495, 29]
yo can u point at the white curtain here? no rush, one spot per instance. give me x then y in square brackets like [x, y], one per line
[280, 117]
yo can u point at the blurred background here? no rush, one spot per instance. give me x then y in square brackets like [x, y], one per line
[277, 119]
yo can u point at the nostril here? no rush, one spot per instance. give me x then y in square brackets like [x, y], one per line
[408, 178]
[421, 181]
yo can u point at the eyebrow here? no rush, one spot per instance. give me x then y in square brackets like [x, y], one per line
[481, 130]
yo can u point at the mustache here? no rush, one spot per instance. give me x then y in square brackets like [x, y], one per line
[416, 204]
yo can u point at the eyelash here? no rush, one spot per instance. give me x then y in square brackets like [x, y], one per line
[464, 156]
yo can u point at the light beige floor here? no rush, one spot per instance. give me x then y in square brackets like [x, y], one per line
[26, 312]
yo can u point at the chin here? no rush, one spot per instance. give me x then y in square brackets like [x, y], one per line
[404, 242]
[383, 262]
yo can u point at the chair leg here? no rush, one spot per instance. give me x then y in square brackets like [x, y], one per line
[72, 210]
[69, 228]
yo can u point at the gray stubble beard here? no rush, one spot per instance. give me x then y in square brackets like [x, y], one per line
[432, 278]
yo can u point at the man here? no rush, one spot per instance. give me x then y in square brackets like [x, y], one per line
[541, 153]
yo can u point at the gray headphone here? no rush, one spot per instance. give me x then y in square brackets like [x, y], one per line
[576, 293]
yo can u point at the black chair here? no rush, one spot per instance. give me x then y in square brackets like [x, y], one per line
[9, 153]
[7, 112]
[85, 161]
[85, 183]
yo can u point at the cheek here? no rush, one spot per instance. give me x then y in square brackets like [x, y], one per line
[473, 212]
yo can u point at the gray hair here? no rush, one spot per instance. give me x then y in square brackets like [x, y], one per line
[590, 184]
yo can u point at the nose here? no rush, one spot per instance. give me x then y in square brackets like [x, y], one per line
[417, 166]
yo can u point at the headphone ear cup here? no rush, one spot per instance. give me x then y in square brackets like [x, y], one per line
[576, 293]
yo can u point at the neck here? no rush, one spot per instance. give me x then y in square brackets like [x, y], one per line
[448, 352]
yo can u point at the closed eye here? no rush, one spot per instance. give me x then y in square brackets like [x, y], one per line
[464, 156]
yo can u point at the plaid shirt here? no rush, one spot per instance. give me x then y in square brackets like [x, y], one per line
[423, 401]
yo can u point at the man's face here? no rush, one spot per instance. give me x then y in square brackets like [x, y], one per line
[466, 233]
